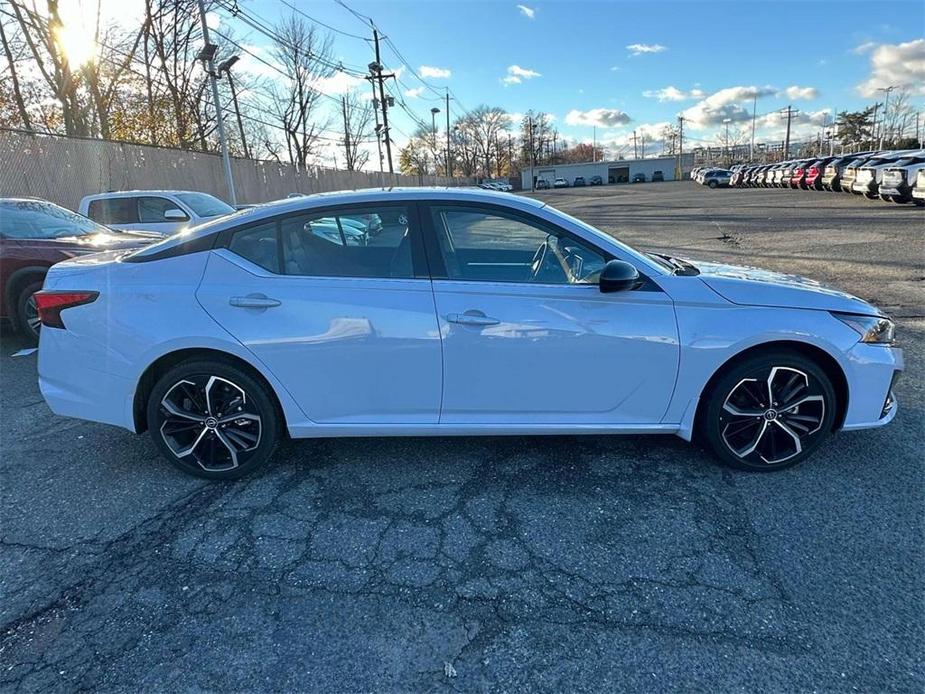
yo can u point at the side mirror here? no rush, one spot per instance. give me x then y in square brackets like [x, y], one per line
[175, 214]
[618, 276]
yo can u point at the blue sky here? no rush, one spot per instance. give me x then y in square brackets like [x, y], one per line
[598, 60]
[622, 66]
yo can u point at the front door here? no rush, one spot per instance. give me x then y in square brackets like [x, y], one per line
[528, 336]
[338, 306]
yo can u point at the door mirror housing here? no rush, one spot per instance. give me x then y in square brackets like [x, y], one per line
[175, 214]
[618, 276]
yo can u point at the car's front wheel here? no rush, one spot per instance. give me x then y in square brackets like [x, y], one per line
[212, 419]
[769, 411]
[712, 184]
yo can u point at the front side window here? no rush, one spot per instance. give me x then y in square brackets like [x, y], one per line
[151, 210]
[482, 245]
[36, 219]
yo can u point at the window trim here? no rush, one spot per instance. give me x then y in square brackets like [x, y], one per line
[419, 262]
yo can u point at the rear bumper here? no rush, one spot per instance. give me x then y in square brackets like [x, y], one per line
[866, 187]
[918, 193]
[901, 190]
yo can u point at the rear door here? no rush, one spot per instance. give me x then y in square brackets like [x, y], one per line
[338, 304]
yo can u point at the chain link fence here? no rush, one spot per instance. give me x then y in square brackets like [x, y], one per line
[64, 169]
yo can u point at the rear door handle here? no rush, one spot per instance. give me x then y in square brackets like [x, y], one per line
[471, 318]
[253, 301]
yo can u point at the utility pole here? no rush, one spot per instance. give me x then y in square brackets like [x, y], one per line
[378, 129]
[510, 155]
[433, 127]
[886, 110]
[532, 154]
[874, 125]
[375, 70]
[207, 56]
[751, 149]
[635, 152]
[449, 166]
[594, 144]
[791, 112]
[680, 147]
[347, 157]
[726, 122]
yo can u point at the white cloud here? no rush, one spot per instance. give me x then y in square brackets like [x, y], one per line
[601, 117]
[435, 72]
[517, 74]
[796, 92]
[671, 93]
[414, 93]
[863, 48]
[641, 48]
[723, 104]
[899, 65]
[651, 135]
[527, 12]
[615, 68]
[338, 83]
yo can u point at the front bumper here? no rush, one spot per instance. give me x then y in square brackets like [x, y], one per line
[862, 188]
[871, 373]
[918, 193]
[901, 190]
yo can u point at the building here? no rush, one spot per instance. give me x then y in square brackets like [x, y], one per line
[619, 171]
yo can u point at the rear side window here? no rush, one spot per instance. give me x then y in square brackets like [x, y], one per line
[359, 242]
[113, 211]
[258, 245]
[151, 210]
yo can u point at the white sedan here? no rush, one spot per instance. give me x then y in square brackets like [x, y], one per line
[469, 313]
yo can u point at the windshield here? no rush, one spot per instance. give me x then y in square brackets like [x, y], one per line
[205, 205]
[37, 219]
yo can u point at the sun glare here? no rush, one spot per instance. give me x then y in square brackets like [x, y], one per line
[75, 39]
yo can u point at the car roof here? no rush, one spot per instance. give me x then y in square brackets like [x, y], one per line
[345, 197]
[147, 191]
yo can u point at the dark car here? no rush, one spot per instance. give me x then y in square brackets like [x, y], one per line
[34, 235]
[596, 181]
[639, 178]
[542, 184]
[579, 181]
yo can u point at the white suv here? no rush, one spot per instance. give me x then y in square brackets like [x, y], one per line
[902, 178]
[163, 211]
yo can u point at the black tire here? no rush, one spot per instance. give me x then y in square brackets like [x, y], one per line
[230, 434]
[746, 432]
[712, 184]
[27, 318]
[918, 202]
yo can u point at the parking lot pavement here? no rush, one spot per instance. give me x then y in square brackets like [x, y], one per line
[565, 563]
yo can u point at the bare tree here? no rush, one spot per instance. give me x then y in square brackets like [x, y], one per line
[304, 56]
[358, 116]
[15, 91]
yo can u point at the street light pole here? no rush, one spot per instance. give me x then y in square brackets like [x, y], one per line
[433, 129]
[226, 68]
[727, 121]
[207, 55]
[886, 110]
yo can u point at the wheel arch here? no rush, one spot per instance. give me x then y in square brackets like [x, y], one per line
[819, 356]
[167, 361]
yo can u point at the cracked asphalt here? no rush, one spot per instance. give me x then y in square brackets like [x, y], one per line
[504, 564]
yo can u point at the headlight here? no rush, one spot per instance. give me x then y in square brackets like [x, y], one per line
[872, 329]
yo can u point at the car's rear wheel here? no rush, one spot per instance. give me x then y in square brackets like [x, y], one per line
[212, 419]
[27, 314]
[712, 184]
[769, 412]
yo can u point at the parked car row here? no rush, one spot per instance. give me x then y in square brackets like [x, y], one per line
[501, 186]
[579, 181]
[892, 176]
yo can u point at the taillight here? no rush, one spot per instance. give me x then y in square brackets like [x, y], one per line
[51, 304]
[813, 171]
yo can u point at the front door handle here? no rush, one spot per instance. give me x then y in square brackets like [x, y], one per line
[472, 318]
[253, 301]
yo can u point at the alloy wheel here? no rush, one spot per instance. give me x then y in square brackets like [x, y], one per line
[31, 315]
[209, 421]
[770, 418]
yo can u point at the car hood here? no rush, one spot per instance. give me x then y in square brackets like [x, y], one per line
[756, 287]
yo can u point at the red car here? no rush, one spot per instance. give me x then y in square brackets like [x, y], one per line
[34, 235]
[814, 171]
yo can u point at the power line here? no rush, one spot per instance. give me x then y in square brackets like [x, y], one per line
[327, 26]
